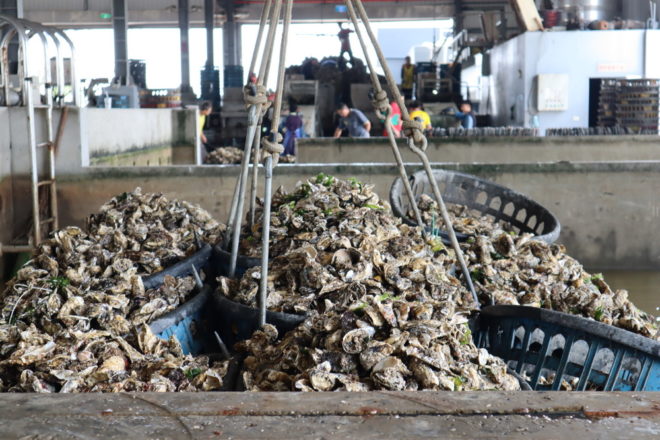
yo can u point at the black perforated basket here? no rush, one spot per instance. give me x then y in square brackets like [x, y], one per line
[505, 205]
[567, 348]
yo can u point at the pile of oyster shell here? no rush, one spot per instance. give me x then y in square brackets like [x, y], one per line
[383, 310]
[234, 156]
[74, 317]
[518, 270]
[224, 156]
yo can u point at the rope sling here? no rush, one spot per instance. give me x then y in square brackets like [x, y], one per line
[257, 104]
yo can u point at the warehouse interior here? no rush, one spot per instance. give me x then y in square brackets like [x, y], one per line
[329, 218]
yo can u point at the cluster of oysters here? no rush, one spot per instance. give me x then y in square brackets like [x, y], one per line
[224, 156]
[383, 310]
[74, 318]
[384, 307]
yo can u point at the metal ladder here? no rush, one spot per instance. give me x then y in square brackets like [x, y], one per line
[25, 30]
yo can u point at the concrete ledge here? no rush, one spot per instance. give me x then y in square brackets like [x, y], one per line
[485, 149]
[371, 415]
[609, 210]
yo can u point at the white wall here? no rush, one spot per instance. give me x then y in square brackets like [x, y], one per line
[580, 54]
[506, 94]
[110, 132]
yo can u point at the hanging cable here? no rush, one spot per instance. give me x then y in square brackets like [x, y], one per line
[383, 111]
[417, 143]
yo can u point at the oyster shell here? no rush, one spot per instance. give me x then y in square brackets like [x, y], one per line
[518, 270]
[74, 318]
[378, 296]
[224, 156]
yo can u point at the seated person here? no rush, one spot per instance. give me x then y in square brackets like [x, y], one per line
[466, 115]
[418, 114]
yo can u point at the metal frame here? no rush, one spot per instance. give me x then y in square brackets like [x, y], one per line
[25, 30]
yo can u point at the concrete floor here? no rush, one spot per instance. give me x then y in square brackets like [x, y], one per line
[375, 415]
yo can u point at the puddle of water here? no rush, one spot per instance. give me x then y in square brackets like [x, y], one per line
[643, 287]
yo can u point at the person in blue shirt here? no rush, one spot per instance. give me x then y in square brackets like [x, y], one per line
[352, 120]
[466, 115]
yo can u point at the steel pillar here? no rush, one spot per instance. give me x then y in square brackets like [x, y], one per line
[458, 16]
[209, 11]
[184, 25]
[210, 76]
[120, 29]
[231, 36]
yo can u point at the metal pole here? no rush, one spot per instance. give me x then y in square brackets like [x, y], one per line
[33, 161]
[445, 217]
[255, 172]
[235, 216]
[119, 28]
[184, 24]
[268, 187]
[265, 239]
[209, 9]
[263, 79]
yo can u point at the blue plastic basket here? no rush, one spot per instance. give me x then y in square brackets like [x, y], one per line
[591, 355]
[191, 324]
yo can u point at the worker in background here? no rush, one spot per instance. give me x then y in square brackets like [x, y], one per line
[418, 114]
[408, 77]
[466, 115]
[309, 68]
[354, 121]
[395, 120]
[290, 127]
[205, 109]
[345, 42]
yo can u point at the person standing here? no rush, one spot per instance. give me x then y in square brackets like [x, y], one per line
[395, 120]
[354, 121]
[408, 77]
[344, 41]
[205, 110]
[290, 127]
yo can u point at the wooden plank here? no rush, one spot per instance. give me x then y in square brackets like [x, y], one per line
[527, 15]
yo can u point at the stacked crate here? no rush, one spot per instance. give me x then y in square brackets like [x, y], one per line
[607, 103]
[638, 105]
